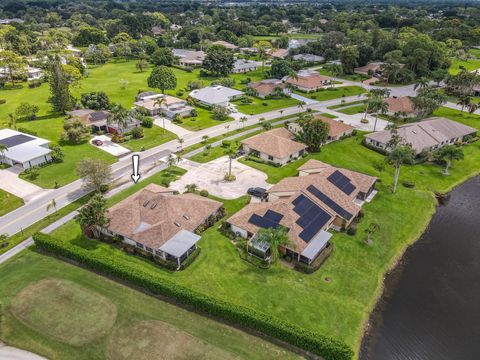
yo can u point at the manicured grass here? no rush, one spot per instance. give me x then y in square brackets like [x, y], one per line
[202, 121]
[215, 152]
[334, 93]
[9, 202]
[152, 137]
[351, 77]
[470, 65]
[339, 106]
[475, 52]
[257, 106]
[351, 110]
[48, 305]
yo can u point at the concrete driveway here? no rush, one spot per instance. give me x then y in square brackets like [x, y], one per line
[170, 126]
[109, 146]
[210, 175]
[10, 182]
[11, 353]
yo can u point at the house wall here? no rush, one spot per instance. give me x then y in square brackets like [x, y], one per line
[243, 233]
[44, 159]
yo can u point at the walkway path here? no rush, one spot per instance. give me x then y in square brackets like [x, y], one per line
[170, 126]
[306, 100]
[11, 353]
[10, 182]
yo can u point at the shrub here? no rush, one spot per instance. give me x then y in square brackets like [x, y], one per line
[104, 188]
[265, 103]
[147, 122]
[34, 84]
[179, 93]
[203, 193]
[226, 143]
[27, 131]
[190, 259]
[136, 133]
[3, 101]
[408, 184]
[352, 229]
[137, 275]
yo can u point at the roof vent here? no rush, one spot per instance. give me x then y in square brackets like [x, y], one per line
[414, 131]
[177, 224]
[146, 203]
[186, 217]
[154, 205]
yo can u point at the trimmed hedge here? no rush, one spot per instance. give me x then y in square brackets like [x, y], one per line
[329, 348]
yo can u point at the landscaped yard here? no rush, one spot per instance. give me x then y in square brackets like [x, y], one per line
[334, 93]
[351, 77]
[259, 106]
[152, 137]
[351, 110]
[470, 65]
[61, 311]
[8, 202]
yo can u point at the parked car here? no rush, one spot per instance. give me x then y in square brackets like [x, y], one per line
[257, 192]
[97, 142]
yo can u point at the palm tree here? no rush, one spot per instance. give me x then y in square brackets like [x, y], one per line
[281, 112]
[191, 188]
[231, 155]
[266, 126]
[449, 153]
[370, 230]
[379, 106]
[12, 121]
[473, 107]
[158, 102]
[243, 120]
[118, 115]
[421, 84]
[275, 237]
[464, 101]
[181, 141]
[52, 205]
[204, 139]
[397, 157]
[171, 162]
[301, 106]
[93, 216]
[3, 148]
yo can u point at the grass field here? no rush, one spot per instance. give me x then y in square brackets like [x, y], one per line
[475, 52]
[152, 137]
[334, 93]
[9, 202]
[470, 65]
[351, 110]
[258, 105]
[64, 312]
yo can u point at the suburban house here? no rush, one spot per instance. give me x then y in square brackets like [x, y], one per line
[427, 135]
[296, 43]
[308, 80]
[33, 73]
[264, 88]
[161, 223]
[98, 121]
[310, 58]
[225, 44]
[400, 105]
[23, 150]
[170, 106]
[279, 53]
[337, 129]
[215, 95]
[189, 58]
[371, 69]
[276, 146]
[243, 66]
[307, 206]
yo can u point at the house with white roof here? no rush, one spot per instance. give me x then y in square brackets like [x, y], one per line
[23, 150]
[215, 95]
[243, 66]
[169, 106]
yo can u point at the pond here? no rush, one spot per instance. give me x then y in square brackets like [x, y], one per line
[430, 308]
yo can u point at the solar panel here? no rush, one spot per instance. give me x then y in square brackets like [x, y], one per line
[259, 221]
[273, 216]
[330, 203]
[342, 182]
[312, 217]
[16, 140]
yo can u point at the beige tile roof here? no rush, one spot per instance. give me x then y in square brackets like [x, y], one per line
[425, 134]
[266, 87]
[169, 100]
[283, 207]
[308, 81]
[225, 44]
[336, 127]
[279, 53]
[401, 104]
[277, 143]
[373, 66]
[154, 227]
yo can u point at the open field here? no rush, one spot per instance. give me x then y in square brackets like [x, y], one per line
[8, 202]
[356, 270]
[333, 93]
[50, 308]
[470, 65]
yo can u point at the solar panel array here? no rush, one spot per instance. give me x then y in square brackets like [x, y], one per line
[263, 222]
[342, 182]
[16, 140]
[330, 203]
[273, 216]
[312, 217]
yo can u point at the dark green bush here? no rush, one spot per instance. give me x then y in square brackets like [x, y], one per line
[136, 274]
[203, 193]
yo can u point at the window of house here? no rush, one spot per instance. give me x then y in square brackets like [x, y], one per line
[139, 245]
[150, 250]
[270, 157]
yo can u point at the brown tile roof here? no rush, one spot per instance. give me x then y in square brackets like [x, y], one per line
[320, 170]
[154, 227]
[373, 66]
[308, 81]
[277, 143]
[401, 104]
[266, 87]
[336, 127]
[283, 207]
[279, 53]
[225, 44]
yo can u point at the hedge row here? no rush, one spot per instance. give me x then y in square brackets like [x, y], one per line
[329, 348]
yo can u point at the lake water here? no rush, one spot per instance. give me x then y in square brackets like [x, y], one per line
[430, 308]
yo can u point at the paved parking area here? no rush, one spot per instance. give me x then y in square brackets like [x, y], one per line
[10, 182]
[109, 146]
[210, 175]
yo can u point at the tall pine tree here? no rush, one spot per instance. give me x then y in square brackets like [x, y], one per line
[61, 99]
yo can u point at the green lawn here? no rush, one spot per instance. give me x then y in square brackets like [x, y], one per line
[61, 311]
[351, 110]
[152, 137]
[339, 106]
[351, 77]
[470, 65]
[259, 106]
[333, 93]
[475, 52]
[8, 202]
